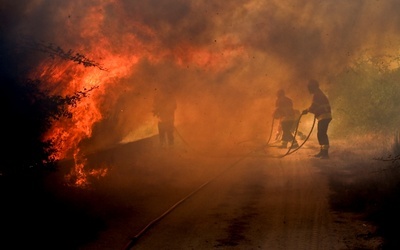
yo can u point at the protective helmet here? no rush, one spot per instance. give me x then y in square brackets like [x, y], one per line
[280, 92]
[313, 85]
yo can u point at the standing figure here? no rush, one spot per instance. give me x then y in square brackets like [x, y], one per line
[321, 108]
[301, 135]
[285, 113]
[164, 109]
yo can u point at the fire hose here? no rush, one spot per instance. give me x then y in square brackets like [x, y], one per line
[133, 240]
[272, 128]
[290, 151]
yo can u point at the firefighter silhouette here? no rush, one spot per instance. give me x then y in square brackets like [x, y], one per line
[300, 135]
[321, 109]
[285, 113]
[164, 109]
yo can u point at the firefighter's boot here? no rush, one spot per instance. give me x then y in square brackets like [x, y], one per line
[323, 153]
[295, 145]
[301, 135]
[283, 145]
[319, 154]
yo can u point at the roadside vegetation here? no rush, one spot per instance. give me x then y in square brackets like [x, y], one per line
[366, 101]
[29, 110]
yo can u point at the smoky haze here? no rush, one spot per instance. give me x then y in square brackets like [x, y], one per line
[224, 60]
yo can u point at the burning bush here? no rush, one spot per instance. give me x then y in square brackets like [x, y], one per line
[29, 111]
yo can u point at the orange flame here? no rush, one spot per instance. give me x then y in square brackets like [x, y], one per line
[66, 78]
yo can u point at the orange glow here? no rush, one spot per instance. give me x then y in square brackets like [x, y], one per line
[118, 62]
[217, 58]
[65, 78]
[79, 176]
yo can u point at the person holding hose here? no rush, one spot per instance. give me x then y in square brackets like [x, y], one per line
[321, 108]
[285, 113]
[164, 108]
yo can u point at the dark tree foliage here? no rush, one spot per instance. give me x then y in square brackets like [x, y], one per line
[29, 182]
[56, 51]
[29, 112]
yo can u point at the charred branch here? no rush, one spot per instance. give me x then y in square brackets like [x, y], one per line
[56, 51]
[390, 158]
[54, 106]
[45, 109]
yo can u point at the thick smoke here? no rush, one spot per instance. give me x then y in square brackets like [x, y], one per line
[224, 60]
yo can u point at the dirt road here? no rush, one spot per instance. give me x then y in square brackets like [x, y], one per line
[259, 204]
[181, 200]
